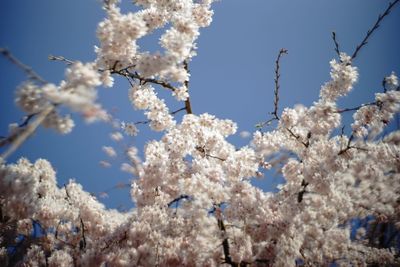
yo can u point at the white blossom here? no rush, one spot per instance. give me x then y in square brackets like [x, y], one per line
[193, 191]
[109, 151]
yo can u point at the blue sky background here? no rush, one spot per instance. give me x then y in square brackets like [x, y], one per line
[232, 76]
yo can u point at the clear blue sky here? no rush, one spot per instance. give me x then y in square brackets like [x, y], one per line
[232, 76]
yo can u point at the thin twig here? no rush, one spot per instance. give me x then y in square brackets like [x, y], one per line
[176, 200]
[9, 139]
[282, 52]
[151, 80]
[274, 113]
[134, 75]
[349, 146]
[171, 113]
[376, 26]
[28, 70]
[355, 108]
[205, 154]
[61, 58]
[336, 44]
[297, 137]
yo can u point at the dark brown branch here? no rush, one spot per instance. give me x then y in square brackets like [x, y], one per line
[151, 80]
[27, 119]
[171, 113]
[176, 200]
[282, 52]
[274, 113]
[214, 157]
[117, 242]
[28, 70]
[376, 26]
[336, 44]
[68, 198]
[300, 195]
[82, 243]
[225, 245]
[349, 146]
[142, 80]
[59, 239]
[205, 154]
[188, 106]
[298, 138]
[356, 108]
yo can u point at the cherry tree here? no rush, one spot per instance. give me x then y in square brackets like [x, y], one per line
[194, 201]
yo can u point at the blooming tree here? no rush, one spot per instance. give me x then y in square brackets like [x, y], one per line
[194, 203]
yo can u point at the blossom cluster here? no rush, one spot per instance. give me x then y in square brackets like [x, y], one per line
[77, 92]
[119, 34]
[144, 97]
[195, 204]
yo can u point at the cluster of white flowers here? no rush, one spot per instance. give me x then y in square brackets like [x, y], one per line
[129, 128]
[332, 179]
[144, 97]
[119, 33]
[371, 119]
[392, 82]
[32, 99]
[77, 92]
[343, 75]
[181, 93]
[195, 203]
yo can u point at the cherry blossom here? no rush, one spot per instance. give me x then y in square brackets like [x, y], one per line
[195, 204]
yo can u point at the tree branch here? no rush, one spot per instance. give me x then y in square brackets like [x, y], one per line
[26, 132]
[171, 113]
[336, 44]
[61, 58]
[186, 83]
[376, 26]
[356, 108]
[282, 52]
[28, 70]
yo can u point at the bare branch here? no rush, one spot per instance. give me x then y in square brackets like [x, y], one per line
[282, 52]
[28, 70]
[297, 137]
[205, 154]
[171, 113]
[356, 108]
[376, 26]
[176, 200]
[336, 44]
[61, 58]
[151, 80]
